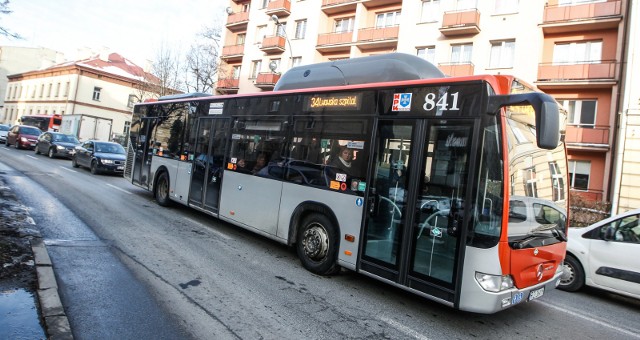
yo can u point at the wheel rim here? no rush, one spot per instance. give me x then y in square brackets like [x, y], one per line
[51, 153]
[315, 242]
[162, 189]
[568, 275]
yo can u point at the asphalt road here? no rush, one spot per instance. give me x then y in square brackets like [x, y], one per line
[126, 266]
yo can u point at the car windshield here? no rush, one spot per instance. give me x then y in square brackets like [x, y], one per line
[66, 139]
[4, 128]
[109, 148]
[30, 131]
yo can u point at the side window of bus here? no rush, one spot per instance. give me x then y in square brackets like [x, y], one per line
[257, 147]
[169, 131]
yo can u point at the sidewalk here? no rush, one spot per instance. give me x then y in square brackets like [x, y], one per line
[28, 256]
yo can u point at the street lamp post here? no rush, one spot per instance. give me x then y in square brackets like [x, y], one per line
[275, 19]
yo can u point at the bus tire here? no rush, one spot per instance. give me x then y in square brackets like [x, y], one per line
[572, 279]
[161, 190]
[317, 245]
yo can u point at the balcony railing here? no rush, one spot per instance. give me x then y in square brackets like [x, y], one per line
[457, 69]
[376, 34]
[273, 44]
[267, 80]
[603, 70]
[334, 42]
[583, 17]
[594, 136]
[228, 84]
[279, 8]
[238, 21]
[461, 22]
[232, 52]
[589, 195]
[338, 6]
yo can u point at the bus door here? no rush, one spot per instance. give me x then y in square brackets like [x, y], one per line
[207, 163]
[143, 152]
[415, 203]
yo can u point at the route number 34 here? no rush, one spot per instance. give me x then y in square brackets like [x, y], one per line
[442, 103]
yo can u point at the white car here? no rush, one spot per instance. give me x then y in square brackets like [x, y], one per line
[4, 130]
[605, 255]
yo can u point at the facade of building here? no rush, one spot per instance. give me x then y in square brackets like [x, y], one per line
[105, 86]
[21, 59]
[571, 49]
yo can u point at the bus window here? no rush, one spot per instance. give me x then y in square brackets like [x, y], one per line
[169, 132]
[255, 144]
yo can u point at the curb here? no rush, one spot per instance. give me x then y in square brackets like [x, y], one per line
[55, 320]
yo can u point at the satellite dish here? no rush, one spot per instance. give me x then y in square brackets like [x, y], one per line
[273, 65]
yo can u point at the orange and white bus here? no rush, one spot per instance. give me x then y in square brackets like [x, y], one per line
[449, 187]
[43, 122]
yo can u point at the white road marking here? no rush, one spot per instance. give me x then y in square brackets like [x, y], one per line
[31, 156]
[404, 329]
[65, 168]
[590, 319]
[224, 236]
[115, 187]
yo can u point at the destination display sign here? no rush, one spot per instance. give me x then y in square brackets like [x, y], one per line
[333, 102]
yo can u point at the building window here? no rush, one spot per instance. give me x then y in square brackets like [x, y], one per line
[301, 29]
[506, 6]
[96, 93]
[132, 100]
[576, 2]
[281, 29]
[466, 4]
[343, 25]
[579, 174]
[255, 68]
[589, 52]
[557, 182]
[66, 89]
[530, 182]
[49, 90]
[41, 90]
[430, 11]
[236, 72]
[240, 38]
[57, 89]
[427, 53]
[580, 112]
[260, 33]
[264, 3]
[502, 54]
[296, 61]
[461, 54]
[388, 19]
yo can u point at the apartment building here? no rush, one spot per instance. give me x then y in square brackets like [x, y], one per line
[571, 49]
[105, 85]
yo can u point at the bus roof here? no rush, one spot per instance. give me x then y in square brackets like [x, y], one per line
[372, 69]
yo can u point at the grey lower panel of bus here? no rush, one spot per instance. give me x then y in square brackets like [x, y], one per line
[267, 205]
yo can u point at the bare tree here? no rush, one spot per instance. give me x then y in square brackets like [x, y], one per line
[202, 62]
[167, 68]
[4, 10]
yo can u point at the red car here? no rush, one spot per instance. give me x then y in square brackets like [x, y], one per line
[23, 136]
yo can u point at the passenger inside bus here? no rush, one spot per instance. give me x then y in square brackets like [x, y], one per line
[344, 160]
[260, 163]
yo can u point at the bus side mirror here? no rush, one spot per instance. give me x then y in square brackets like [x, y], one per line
[547, 114]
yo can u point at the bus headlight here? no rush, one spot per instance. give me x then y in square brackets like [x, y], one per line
[494, 283]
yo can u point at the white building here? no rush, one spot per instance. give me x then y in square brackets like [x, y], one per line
[105, 86]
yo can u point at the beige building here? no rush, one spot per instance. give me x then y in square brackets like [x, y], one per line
[571, 49]
[105, 86]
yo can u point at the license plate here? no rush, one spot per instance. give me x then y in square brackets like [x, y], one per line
[534, 294]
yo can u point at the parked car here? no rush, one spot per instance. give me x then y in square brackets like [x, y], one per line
[56, 144]
[107, 157]
[605, 255]
[23, 136]
[4, 129]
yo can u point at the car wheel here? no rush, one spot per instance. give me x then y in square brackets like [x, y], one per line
[74, 163]
[161, 190]
[17, 145]
[36, 150]
[94, 167]
[572, 278]
[317, 245]
[52, 154]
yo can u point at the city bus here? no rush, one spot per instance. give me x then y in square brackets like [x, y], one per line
[43, 122]
[452, 188]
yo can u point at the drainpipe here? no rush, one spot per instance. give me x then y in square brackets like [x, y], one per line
[623, 102]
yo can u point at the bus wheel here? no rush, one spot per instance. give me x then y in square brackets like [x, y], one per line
[161, 190]
[573, 277]
[317, 245]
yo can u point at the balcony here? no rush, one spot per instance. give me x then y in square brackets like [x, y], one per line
[280, 8]
[593, 138]
[238, 21]
[334, 42]
[273, 44]
[602, 74]
[585, 17]
[232, 53]
[376, 38]
[457, 69]
[228, 85]
[466, 22]
[330, 7]
[378, 3]
[590, 195]
[267, 80]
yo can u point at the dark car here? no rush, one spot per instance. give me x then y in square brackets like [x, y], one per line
[4, 130]
[23, 136]
[107, 157]
[55, 144]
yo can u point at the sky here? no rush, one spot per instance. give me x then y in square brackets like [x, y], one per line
[134, 29]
